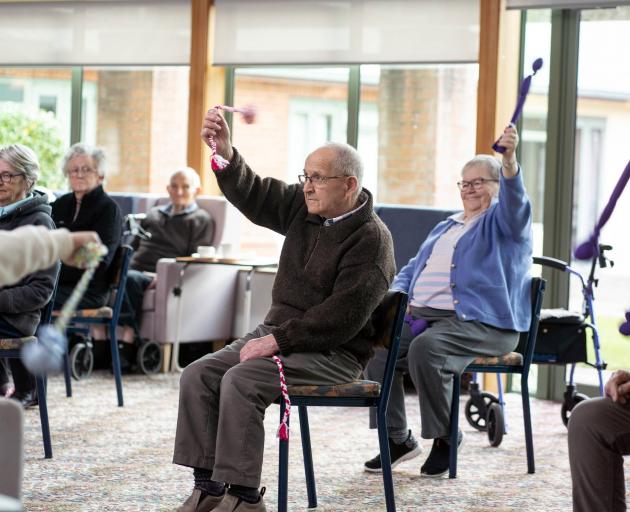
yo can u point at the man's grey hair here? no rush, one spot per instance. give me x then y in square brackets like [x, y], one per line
[491, 163]
[347, 162]
[22, 159]
[80, 149]
[190, 174]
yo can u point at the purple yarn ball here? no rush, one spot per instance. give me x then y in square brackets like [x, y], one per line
[624, 328]
[417, 325]
[585, 251]
[537, 64]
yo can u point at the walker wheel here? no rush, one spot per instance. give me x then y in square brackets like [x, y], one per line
[81, 361]
[568, 405]
[496, 424]
[476, 409]
[149, 357]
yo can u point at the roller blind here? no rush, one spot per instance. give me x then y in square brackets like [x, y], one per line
[563, 4]
[129, 32]
[255, 32]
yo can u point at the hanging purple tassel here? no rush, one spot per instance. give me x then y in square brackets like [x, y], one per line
[521, 100]
[588, 249]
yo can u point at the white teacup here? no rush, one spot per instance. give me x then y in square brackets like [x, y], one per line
[228, 250]
[206, 251]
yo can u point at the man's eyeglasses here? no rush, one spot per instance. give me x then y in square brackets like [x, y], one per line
[81, 171]
[7, 177]
[476, 184]
[317, 180]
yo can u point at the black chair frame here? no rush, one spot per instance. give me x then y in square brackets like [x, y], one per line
[396, 301]
[119, 267]
[40, 380]
[528, 342]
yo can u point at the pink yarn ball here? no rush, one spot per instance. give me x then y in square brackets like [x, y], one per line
[249, 114]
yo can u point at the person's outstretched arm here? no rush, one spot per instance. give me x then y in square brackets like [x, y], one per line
[31, 248]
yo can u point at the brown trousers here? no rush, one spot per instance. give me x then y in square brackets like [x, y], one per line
[599, 436]
[222, 405]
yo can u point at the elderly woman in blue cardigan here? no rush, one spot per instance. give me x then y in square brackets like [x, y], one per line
[469, 290]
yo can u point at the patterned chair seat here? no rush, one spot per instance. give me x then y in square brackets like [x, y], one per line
[103, 312]
[357, 388]
[511, 359]
[15, 343]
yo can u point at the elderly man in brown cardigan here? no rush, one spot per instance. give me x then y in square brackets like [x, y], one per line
[335, 267]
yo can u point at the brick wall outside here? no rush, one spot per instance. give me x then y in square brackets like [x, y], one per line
[406, 137]
[124, 127]
[169, 125]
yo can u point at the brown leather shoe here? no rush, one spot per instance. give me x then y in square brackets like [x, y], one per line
[234, 504]
[195, 503]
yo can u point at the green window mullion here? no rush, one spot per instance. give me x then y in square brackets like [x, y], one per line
[76, 108]
[354, 100]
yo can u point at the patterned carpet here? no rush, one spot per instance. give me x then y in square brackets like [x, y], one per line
[119, 459]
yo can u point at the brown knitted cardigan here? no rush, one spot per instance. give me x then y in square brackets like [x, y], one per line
[330, 278]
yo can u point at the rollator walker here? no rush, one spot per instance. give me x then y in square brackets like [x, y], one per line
[561, 340]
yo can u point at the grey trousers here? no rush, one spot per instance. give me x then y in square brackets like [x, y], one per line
[222, 405]
[445, 348]
[599, 436]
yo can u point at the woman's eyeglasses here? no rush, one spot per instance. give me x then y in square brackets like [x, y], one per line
[476, 184]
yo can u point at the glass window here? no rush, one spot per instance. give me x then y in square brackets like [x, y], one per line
[601, 154]
[416, 131]
[140, 117]
[533, 134]
[533, 131]
[297, 110]
[35, 110]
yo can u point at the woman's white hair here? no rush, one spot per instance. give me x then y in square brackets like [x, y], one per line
[22, 159]
[491, 163]
[80, 149]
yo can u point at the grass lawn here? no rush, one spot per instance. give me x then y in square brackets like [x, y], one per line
[615, 348]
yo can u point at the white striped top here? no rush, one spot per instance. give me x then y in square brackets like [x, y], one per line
[433, 286]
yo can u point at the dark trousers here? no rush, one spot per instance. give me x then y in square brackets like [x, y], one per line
[222, 405]
[599, 436]
[90, 300]
[137, 283]
[23, 381]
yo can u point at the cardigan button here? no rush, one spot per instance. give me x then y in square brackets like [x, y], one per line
[455, 301]
[452, 265]
[452, 285]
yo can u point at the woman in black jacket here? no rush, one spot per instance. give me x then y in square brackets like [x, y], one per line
[21, 303]
[87, 208]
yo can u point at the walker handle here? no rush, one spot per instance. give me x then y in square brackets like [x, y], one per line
[551, 262]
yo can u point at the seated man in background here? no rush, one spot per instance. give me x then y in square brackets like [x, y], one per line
[22, 302]
[175, 229]
[469, 283]
[335, 267]
[599, 437]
